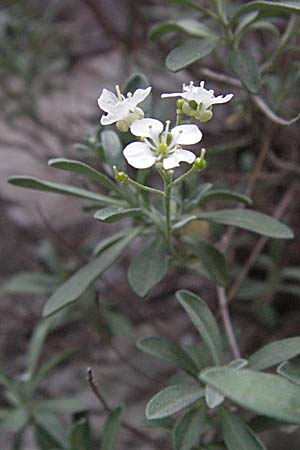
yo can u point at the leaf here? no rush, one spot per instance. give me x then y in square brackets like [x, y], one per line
[14, 420]
[112, 148]
[274, 353]
[58, 188]
[80, 436]
[107, 242]
[190, 52]
[189, 26]
[36, 344]
[244, 218]
[110, 430]
[51, 364]
[212, 397]
[237, 434]
[119, 324]
[213, 261]
[225, 194]
[78, 283]
[245, 68]
[188, 429]
[200, 193]
[81, 168]
[148, 268]
[61, 405]
[163, 349]
[166, 424]
[49, 432]
[269, 7]
[266, 394]
[112, 214]
[290, 370]
[173, 399]
[204, 321]
[34, 283]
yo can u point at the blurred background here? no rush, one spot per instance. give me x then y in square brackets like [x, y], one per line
[55, 58]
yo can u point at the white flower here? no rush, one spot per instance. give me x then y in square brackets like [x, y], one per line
[159, 145]
[198, 101]
[120, 109]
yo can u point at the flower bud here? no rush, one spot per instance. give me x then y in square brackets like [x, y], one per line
[204, 116]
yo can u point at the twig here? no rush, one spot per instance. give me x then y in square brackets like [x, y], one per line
[95, 389]
[223, 304]
[260, 243]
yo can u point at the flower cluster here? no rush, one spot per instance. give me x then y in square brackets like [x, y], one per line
[158, 143]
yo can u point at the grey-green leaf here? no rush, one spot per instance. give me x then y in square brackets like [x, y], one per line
[213, 261]
[163, 349]
[173, 399]
[189, 26]
[110, 430]
[204, 321]
[226, 195]
[274, 353]
[266, 394]
[269, 7]
[58, 188]
[237, 434]
[77, 284]
[188, 429]
[247, 219]
[148, 268]
[81, 168]
[112, 214]
[35, 283]
[80, 436]
[245, 68]
[290, 370]
[188, 53]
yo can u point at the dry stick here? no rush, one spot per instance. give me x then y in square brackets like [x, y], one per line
[94, 387]
[223, 304]
[261, 243]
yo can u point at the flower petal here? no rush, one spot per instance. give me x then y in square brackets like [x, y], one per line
[175, 158]
[108, 119]
[139, 155]
[175, 94]
[221, 99]
[140, 94]
[106, 100]
[186, 134]
[146, 127]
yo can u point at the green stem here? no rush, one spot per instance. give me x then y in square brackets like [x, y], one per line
[168, 187]
[145, 188]
[185, 175]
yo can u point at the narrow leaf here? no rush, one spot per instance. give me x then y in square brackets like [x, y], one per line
[188, 429]
[244, 218]
[173, 399]
[112, 214]
[245, 68]
[226, 195]
[269, 7]
[275, 353]
[148, 268]
[71, 165]
[290, 370]
[80, 436]
[107, 242]
[36, 344]
[58, 188]
[237, 434]
[266, 394]
[34, 283]
[78, 283]
[163, 349]
[189, 26]
[213, 261]
[204, 321]
[190, 52]
[110, 430]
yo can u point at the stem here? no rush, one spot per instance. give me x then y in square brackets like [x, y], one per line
[223, 304]
[145, 188]
[168, 187]
[185, 175]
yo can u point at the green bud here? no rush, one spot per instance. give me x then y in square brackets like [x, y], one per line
[199, 163]
[121, 177]
[193, 104]
[187, 110]
[204, 116]
[122, 126]
[180, 103]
